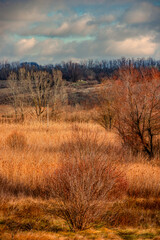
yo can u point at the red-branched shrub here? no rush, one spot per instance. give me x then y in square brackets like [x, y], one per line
[83, 188]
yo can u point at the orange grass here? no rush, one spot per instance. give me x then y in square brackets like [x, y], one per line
[29, 166]
[143, 180]
[44, 149]
[23, 175]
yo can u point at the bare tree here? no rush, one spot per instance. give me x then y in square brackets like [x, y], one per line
[41, 88]
[138, 115]
[39, 85]
[136, 108]
[17, 90]
[60, 96]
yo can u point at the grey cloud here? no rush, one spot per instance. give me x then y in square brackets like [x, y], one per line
[13, 27]
[105, 19]
[55, 50]
[131, 47]
[36, 9]
[132, 34]
[30, 10]
[72, 26]
[142, 13]
[120, 32]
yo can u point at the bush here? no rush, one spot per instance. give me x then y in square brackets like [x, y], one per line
[83, 187]
[138, 116]
[16, 140]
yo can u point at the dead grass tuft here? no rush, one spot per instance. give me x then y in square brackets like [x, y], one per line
[16, 140]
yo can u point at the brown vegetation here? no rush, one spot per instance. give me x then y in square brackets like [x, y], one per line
[16, 141]
[85, 180]
[56, 161]
[132, 103]
[75, 171]
[138, 117]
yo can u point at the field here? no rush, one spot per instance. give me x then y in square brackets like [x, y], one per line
[79, 120]
[30, 153]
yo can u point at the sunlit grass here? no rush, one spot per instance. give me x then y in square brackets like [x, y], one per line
[26, 169]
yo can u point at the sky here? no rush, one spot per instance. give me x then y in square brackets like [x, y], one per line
[51, 31]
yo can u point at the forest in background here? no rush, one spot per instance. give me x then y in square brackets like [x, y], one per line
[86, 70]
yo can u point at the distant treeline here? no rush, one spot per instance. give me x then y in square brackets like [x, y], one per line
[85, 70]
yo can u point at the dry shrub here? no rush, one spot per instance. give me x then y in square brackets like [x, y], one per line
[84, 181]
[16, 140]
[83, 188]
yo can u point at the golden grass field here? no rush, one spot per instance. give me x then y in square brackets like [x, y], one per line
[24, 165]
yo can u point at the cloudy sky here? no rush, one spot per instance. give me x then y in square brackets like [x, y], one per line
[49, 31]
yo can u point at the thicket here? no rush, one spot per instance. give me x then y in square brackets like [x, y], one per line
[134, 108]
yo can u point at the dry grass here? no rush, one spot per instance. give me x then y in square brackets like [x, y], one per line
[42, 153]
[28, 218]
[143, 180]
[23, 172]
[45, 148]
